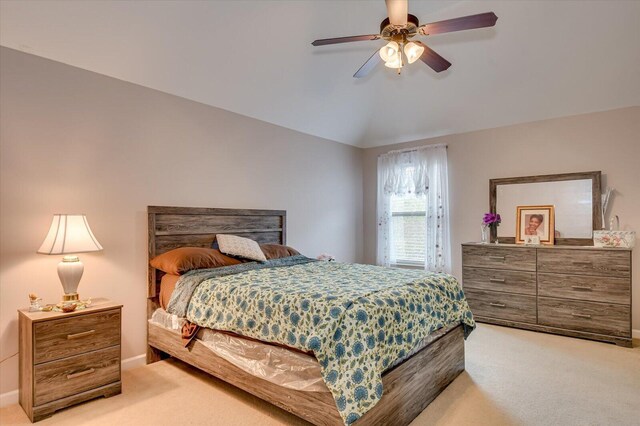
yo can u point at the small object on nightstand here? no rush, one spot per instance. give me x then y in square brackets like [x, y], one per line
[68, 307]
[67, 358]
[34, 303]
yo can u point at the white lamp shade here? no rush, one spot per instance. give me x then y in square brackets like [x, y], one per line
[69, 233]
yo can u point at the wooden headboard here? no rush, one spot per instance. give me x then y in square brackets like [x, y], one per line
[173, 227]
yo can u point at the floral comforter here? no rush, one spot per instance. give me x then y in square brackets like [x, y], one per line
[357, 319]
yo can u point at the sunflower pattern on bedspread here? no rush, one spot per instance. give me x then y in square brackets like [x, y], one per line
[357, 319]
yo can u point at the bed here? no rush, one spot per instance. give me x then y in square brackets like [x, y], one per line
[408, 387]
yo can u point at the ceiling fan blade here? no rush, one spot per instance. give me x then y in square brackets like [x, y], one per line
[337, 40]
[431, 58]
[397, 11]
[369, 65]
[481, 20]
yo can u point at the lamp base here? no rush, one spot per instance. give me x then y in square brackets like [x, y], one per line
[70, 271]
[70, 297]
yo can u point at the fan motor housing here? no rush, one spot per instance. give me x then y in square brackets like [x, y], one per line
[388, 31]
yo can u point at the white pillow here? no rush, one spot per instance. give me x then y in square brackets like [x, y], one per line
[242, 247]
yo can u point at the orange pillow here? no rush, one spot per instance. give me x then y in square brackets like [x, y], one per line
[184, 259]
[276, 251]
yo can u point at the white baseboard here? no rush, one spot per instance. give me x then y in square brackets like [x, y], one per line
[8, 398]
[635, 334]
[11, 397]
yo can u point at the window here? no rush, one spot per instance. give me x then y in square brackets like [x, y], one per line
[408, 229]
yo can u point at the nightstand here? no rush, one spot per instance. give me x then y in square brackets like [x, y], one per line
[67, 358]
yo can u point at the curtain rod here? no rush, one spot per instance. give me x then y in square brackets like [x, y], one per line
[398, 151]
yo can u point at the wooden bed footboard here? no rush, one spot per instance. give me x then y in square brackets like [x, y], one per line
[408, 388]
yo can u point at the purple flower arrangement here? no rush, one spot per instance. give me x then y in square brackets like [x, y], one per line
[491, 219]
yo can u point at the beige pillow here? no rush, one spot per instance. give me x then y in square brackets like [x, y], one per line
[233, 245]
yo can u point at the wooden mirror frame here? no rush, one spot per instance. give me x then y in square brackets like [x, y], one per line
[596, 179]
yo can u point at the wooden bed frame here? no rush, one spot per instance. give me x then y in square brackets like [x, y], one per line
[408, 387]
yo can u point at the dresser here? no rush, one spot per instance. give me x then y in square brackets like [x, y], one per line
[575, 291]
[67, 358]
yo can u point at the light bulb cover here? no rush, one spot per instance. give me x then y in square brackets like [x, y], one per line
[413, 51]
[389, 51]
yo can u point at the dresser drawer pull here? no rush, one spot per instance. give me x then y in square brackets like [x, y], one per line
[497, 257]
[581, 315]
[497, 280]
[81, 373]
[583, 263]
[79, 335]
[498, 305]
[581, 287]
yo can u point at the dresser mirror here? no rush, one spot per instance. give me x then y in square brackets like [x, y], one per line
[575, 196]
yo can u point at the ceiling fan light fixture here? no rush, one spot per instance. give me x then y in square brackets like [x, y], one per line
[394, 62]
[413, 51]
[389, 51]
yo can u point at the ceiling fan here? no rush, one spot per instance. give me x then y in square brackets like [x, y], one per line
[400, 28]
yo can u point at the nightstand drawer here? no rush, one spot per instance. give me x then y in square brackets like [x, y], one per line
[493, 304]
[592, 317]
[65, 337]
[69, 376]
[495, 257]
[499, 280]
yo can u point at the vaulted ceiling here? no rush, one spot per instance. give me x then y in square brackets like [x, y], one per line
[543, 59]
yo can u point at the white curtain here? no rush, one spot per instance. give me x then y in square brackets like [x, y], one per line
[421, 171]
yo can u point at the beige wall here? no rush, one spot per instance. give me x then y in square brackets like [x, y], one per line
[607, 141]
[76, 141]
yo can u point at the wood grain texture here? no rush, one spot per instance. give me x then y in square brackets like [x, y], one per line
[409, 387]
[581, 291]
[69, 376]
[494, 304]
[596, 263]
[499, 280]
[620, 341]
[46, 410]
[56, 344]
[174, 227]
[25, 364]
[69, 336]
[495, 257]
[600, 318]
[584, 287]
[596, 202]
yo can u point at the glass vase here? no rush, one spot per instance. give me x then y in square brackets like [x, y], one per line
[485, 234]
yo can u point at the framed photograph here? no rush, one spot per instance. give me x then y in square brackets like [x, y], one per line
[535, 221]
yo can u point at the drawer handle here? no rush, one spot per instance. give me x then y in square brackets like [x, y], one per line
[497, 280]
[497, 257]
[81, 373]
[79, 335]
[583, 263]
[581, 315]
[498, 305]
[581, 287]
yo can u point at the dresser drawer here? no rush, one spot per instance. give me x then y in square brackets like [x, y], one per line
[512, 258]
[592, 317]
[65, 337]
[584, 287]
[493, 304]
[608, 263]
[499, 280]
[69, 376]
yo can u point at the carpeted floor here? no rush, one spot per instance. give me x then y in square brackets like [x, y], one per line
[513, 377]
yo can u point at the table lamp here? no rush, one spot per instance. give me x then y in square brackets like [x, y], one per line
[69, 233]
